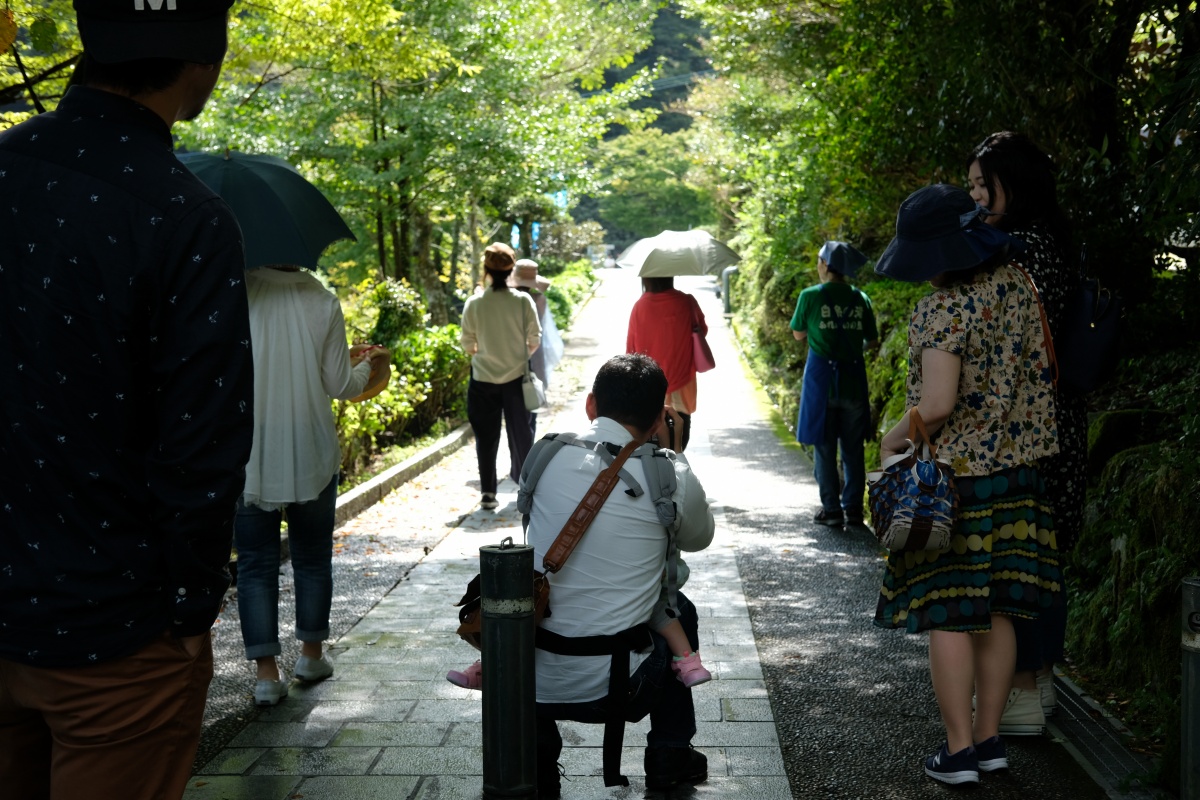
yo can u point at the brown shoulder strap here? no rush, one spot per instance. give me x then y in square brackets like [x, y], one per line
[1050, 354]
[581, 519]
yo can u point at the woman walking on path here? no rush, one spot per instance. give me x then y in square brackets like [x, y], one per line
[525, 278]
[660, 326]
[500, 331]
[300, 362]
[979, 375]
[1013, 178]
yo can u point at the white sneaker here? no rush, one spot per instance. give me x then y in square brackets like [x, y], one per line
[313, 669]
[1045, 685]
[268, 692]
[1023, 714]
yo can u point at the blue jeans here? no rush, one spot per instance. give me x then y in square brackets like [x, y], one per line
[653, 690]
[846, 422]
[310, 542]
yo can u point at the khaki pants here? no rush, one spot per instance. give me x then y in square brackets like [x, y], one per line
[126, 728]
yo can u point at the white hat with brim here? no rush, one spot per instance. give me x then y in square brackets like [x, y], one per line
[525, 273]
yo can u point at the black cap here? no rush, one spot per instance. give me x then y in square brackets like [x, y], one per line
[114, 31]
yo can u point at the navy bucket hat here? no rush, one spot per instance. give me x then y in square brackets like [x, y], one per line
[116, 31]
[842, 258]
[939, 229]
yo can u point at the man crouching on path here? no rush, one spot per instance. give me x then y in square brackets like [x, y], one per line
[612, 581]
[126, 416]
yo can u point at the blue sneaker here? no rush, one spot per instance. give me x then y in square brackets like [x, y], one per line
[991, 754]
[960, 767]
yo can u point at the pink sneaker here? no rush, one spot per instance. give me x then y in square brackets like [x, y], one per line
[469, 678]
[690, 671]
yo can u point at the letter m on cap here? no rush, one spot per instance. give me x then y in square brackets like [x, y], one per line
[155, 5]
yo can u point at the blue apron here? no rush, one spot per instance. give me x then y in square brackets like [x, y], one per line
[820, 373]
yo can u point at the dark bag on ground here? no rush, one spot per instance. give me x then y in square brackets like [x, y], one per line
[1088, 335]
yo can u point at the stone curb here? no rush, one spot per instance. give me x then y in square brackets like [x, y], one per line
[362, 497]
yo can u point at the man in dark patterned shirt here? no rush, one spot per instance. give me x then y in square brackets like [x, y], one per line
[126, 413]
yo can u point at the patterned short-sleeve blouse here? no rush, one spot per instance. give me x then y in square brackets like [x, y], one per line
[1005, 414]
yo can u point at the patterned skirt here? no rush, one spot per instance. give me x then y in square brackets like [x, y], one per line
[1002, 559]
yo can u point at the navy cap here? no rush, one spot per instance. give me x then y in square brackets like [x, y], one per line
[114, 31]
[842, 258]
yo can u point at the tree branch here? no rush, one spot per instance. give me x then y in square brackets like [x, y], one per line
[12, 94]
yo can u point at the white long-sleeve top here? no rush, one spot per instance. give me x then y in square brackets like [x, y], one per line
[301, 360]
[614, 576]
[500, 330]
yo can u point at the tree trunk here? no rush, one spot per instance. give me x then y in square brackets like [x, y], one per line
[454, 253]
[380, 241]
[380, 198]
[435, 299]
[476, 245]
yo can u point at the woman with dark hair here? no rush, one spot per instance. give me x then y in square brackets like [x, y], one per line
[660, 326]
[1015, 180]
[979, 376]
[500, 331]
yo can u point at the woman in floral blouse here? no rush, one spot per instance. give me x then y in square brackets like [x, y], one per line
[980, 377]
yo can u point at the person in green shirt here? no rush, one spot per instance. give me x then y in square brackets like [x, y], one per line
[835, 319]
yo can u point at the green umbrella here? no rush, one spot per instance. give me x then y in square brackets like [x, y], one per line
[284, 218]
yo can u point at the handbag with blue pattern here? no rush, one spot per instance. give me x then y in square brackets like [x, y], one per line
[913, 500]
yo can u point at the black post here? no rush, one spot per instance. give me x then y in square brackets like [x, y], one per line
[1189, 783]
[509, 727]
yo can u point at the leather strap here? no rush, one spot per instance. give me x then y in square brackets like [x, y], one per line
[1045, 326]
[581, 519]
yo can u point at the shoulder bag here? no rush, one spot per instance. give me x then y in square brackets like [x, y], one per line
[531, 385]
[702, 357]
[469, 613]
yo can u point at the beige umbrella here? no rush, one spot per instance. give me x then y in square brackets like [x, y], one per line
[672, 253]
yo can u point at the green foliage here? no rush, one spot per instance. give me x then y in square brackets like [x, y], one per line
[563, 241]
[35, 69]
[567, 289]
[400, 311]
[429, 379]
[647, 186]
[1126, 572]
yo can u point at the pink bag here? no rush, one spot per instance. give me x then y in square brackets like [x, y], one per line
[702, 355]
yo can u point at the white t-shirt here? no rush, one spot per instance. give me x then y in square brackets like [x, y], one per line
[614, 576]
[300, 361]
[499, 331]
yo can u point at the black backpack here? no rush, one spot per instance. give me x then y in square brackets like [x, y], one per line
[1087, 344]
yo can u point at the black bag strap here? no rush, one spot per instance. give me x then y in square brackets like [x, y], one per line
[617, 646]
